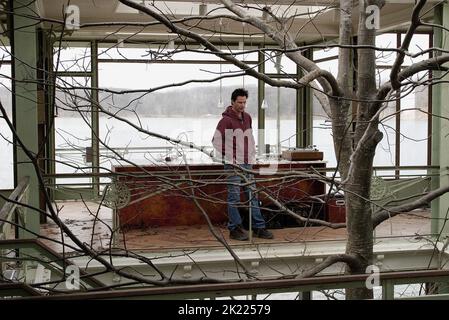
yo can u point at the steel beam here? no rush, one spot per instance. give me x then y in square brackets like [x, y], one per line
[260, 111]
[304, 111]
[95, 135]
[25, 107]
[440, 130]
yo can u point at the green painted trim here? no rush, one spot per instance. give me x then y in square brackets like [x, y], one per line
[308, 102]
[65, 193]
[440, 129]
[304, 111]
[47, 45]
[436, 124]
[4, 193]
[260, 111]
[25, 107]
[299, 112]
[95, 135]
[387, 290]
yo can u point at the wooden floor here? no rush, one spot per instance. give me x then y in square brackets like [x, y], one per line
[80, 220]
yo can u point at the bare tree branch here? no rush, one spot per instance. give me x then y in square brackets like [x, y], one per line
[383, 215]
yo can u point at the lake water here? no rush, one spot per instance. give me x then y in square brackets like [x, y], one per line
[73, 135]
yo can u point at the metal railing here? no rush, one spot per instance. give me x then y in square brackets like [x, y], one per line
[387, 281]
[11, 207]
[18, 255]
[35, 254]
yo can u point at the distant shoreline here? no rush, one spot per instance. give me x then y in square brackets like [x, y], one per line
[218, 116]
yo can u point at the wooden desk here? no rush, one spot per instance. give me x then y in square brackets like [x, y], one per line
[161, 196]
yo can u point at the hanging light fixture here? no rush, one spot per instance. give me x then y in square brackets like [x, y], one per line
[264, 105]
[265, 14]
[203, 9]
[278, 66]
[242, 49]
[144, 3]
[220, 104]
[171, 45]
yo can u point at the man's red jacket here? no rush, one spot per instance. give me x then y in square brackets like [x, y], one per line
[233, 138]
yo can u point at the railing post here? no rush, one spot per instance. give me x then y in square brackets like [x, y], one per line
[304, 295]
[387, 290]
[115, 227]
[442, 287]
[20, 214]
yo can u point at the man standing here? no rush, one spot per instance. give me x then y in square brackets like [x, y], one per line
[234, 142]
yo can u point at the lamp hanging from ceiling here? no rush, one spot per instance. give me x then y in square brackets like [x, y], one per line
[203, 9]
[220, 104]
[242, 49]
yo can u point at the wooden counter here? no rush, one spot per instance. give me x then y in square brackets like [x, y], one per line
[161, 195]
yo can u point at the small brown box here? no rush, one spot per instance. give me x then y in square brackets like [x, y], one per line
[302, 155]
[336, 210]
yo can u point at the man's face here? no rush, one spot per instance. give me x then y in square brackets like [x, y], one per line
[239, 104]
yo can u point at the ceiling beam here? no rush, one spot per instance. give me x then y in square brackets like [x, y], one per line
[325, 25]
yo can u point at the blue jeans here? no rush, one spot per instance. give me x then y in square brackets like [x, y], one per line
[234, 200]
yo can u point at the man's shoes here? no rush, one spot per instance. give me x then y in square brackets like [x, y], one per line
[262, 233]
[238, 234]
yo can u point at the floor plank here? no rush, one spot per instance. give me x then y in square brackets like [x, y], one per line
[80, 219]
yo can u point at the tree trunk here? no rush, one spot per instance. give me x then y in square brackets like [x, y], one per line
[359, 226]
[366, 138]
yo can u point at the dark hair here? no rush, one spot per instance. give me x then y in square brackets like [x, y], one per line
[240, 92]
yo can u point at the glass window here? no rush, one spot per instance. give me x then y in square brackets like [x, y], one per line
[5, 53]
[322, 133]
[382, 76]
[331, 66]
[6, 146]
[386, 149]
[72, 127]
[285, 100]
[414, 126]
[419, 43]
[322, 125]
[161, 53]
[140, 76]
[287, 65]
[386, 40]
[189, 112]
[72, 56]
[325, 53]
[117, 51]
